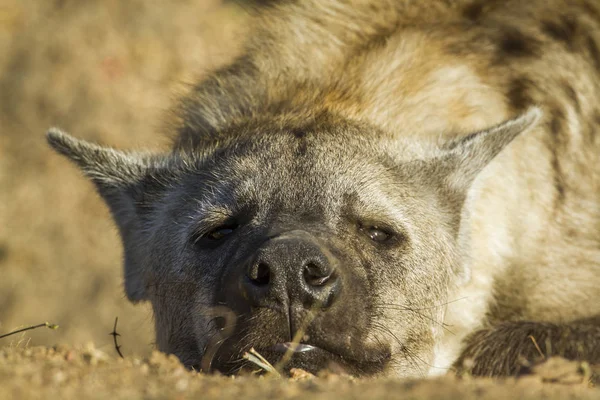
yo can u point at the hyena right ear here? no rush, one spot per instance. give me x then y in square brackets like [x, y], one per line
[128, 183]
[467, 156]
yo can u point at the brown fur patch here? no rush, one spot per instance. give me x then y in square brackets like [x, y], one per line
[299, 133]
[519, 93]
[302, 148]
[516, 44]
[572, 95]
[591, 10]
[474, 10]
[564, 30]
[556, 146]
[593, 127]
[592, 47]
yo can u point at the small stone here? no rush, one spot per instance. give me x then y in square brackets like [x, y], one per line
[298, 374]
[70, 355]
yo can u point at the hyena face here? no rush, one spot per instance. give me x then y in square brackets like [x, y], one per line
[317, 243]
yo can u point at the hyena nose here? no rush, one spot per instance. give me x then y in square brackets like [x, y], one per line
[291, 269]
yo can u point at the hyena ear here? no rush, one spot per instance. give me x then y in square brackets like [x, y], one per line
[469, 155]
[110, 169]
[127, 182]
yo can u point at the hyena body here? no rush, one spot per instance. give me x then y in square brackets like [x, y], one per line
[365, 114]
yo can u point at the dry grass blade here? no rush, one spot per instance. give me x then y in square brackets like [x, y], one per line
[45, 324]
[254, 357]
[537, 346]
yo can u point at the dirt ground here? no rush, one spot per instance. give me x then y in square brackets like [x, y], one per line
[108, 70]
[89, 373]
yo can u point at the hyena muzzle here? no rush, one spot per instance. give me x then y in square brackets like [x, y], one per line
[384, 187]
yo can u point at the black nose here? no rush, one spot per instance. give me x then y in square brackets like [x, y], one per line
[293, 268]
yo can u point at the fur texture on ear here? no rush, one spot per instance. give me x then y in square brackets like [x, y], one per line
[122, 179]
[105, 166]
[470, 154]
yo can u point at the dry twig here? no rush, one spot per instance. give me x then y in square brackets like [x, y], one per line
[254, 357]
[114, 334]
[45, 324]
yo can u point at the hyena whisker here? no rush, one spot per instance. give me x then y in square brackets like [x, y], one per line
[441, 324]
[245, 340]
[172, 283]
[182, 297]
[413, 358]
[381, 341]
[429, 307]
[377, 326]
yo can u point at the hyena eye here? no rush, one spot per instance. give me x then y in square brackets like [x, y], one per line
[378, 235]
[220, 232]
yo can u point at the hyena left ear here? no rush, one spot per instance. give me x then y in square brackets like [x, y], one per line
[469, 155]
[128, 183]
[110, 169]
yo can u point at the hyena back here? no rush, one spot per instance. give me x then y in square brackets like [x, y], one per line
[394, 122]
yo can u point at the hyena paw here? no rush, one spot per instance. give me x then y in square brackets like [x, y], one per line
[514, 348]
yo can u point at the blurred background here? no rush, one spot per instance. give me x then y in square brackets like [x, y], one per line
[107, 71]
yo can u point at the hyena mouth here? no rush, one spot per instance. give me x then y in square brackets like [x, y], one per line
[379, 355]
[316, 359]
[368, 356]
[284, 356]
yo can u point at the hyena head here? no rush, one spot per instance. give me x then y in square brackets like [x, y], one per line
[318, 243]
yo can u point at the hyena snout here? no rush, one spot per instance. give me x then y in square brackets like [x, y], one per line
[291, 270]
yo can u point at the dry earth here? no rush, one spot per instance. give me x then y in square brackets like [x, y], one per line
[89, 373]
[108, 70]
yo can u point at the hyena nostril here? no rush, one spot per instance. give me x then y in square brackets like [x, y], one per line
[260, 274]
[315, 275]
[220, 322]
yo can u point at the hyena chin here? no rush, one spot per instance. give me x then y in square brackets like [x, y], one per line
[375, 187]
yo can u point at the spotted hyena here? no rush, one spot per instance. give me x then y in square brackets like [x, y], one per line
[392, 187]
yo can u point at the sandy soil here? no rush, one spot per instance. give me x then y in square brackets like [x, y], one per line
[89, 373]
[108, 70]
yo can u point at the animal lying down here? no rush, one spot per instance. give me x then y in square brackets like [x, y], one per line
[391, 188]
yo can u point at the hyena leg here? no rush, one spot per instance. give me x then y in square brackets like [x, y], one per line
[509, 347]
